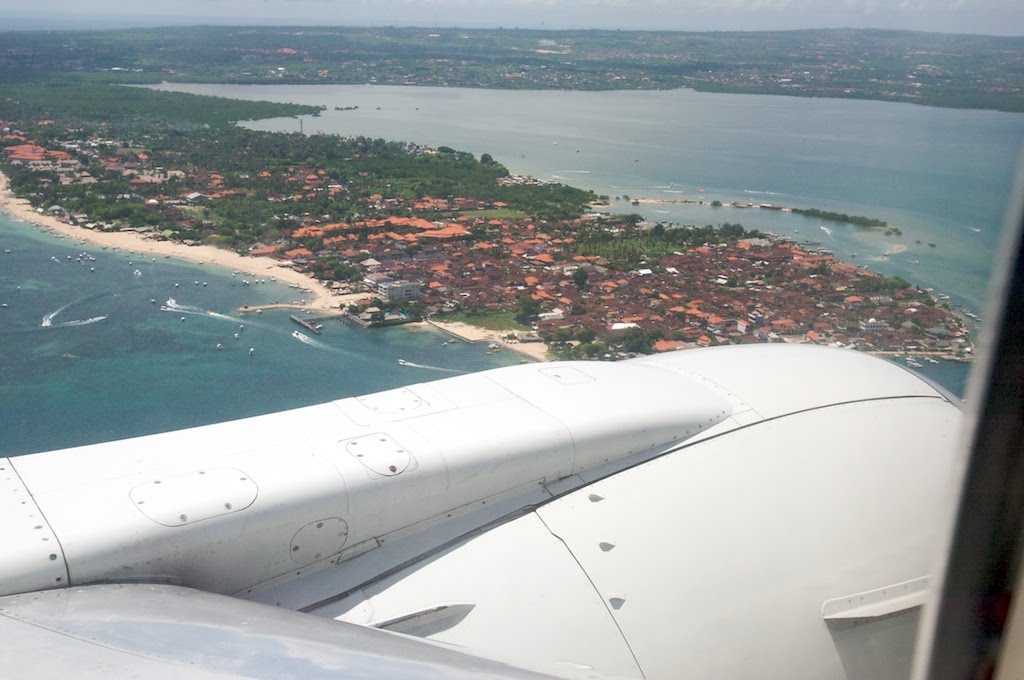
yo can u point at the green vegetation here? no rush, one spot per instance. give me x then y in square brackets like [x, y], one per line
[80, 101]
[494, 214]
[251, 172]
[963, 71]
[634, 247]
[492, 321]
[842, 218]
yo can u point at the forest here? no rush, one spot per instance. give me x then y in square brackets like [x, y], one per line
[963, 71]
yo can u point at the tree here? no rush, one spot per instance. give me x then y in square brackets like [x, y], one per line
[486, 159]
[579, 277]
[586, 335]
[526, 309]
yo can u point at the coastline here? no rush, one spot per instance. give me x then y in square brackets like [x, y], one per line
[534, 351]
[317, 295]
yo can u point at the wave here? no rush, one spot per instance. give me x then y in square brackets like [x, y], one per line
[761, 193]
[574, 172]
[674, 191]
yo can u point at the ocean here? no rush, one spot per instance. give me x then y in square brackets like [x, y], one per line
[942, 176]
[114, 345]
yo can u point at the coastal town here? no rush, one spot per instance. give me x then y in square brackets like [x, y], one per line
[590, 286]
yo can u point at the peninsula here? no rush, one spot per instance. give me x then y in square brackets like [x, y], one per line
[399, 229]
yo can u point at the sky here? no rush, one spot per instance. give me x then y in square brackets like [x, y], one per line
[994, 17]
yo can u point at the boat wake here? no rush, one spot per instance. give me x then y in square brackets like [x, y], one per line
[48, 319]
[80, 322]
[403, 362]
[759, 193]
[976, 230]
[226, 317]
[827, 231]
[172, 306]
[306, 340]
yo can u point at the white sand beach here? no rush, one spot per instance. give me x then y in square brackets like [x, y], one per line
[316, 294]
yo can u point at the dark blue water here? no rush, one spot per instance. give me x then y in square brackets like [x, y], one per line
[111, 364]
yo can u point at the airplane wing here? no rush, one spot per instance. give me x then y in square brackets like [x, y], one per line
[640, 519]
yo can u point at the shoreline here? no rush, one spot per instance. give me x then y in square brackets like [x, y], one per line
[317, 295]
[534, 351]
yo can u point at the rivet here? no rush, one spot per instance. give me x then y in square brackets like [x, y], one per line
[392, 468]
[53, 556]
[227, 506]
[319, 525]
[156, 481]
[295, 548]
[183, 517]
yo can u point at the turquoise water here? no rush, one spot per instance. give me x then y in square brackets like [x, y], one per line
[942, 176]
[111, 364]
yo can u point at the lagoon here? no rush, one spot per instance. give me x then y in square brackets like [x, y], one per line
[942, 176]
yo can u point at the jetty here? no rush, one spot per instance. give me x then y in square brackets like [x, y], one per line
[305, 323]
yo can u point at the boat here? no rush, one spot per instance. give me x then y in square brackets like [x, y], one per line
[403, 362]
